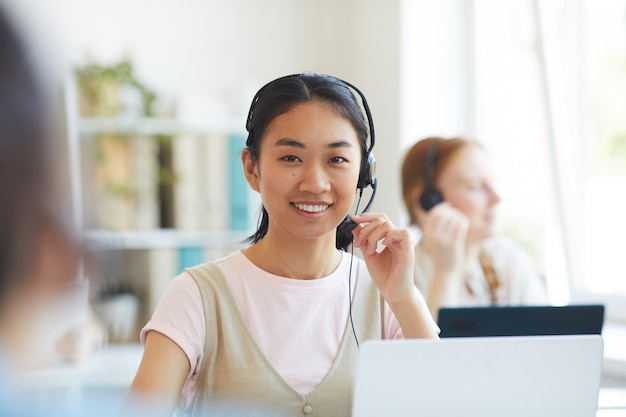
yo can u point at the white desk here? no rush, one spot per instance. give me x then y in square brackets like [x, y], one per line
[109, 373]
[614, 363]
[111, 370]
[612, 402]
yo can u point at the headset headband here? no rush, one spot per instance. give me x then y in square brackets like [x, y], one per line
[366, 107]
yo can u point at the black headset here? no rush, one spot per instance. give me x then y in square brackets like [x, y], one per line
[431, 196]
[368, 166]
[368, 162]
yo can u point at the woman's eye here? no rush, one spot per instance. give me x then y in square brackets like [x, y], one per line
[290, 158]
[337, 160]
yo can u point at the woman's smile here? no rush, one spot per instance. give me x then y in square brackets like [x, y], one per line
[315, 208]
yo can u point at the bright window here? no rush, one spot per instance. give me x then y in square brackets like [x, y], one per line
[542, 83]
[605, 185]
[551, 102]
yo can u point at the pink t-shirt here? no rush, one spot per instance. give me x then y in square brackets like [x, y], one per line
[298, 324]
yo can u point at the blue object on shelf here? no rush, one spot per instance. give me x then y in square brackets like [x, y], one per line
[237, 185]
[190, 256]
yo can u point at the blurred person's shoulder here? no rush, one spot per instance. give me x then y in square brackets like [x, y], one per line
[504, 250]
[499, 245]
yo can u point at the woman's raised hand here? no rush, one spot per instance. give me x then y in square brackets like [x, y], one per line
[387, 252]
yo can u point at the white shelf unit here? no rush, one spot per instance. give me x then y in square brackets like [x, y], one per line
[161, 238]
[147, 259]
[149, 126]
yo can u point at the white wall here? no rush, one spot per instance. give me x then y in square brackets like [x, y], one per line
[437, 72]
[360, 42]
[438, 69]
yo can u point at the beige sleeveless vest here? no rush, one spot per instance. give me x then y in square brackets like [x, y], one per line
[235, 369]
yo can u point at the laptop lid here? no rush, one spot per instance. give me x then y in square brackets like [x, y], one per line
[520, 320]
[519, 376]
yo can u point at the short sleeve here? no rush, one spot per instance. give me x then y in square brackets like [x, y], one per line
[179, 315]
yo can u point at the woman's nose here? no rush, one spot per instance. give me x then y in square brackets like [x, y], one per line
[315, 179]
[494, 197]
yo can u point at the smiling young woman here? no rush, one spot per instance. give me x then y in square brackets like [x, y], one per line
[276, 326]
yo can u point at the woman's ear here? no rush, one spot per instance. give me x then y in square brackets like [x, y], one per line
[250, 169]
[416, 209]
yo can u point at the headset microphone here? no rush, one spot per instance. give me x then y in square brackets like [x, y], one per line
[347, 226]
[374, 185]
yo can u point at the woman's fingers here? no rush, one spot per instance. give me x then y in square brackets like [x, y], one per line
[373, 228]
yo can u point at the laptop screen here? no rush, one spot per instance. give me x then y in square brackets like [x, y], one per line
[521, 376]
[520, 320]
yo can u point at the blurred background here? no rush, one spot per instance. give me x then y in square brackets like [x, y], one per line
[156, 93]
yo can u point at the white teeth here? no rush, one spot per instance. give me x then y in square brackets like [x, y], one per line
[311, 208]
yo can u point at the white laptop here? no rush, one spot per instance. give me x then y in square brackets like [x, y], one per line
[513, 376]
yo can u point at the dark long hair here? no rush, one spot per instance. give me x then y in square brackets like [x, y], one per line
[27, 190]
[278, 97]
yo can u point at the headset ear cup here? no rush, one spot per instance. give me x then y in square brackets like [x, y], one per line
[429, 198]
[368, 170]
